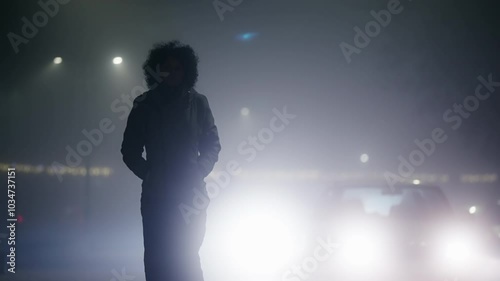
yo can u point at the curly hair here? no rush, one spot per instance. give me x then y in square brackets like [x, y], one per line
[161, 51]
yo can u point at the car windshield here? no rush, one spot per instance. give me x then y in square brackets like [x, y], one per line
[406, 203]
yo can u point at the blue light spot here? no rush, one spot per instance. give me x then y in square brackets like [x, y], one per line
[247, 36]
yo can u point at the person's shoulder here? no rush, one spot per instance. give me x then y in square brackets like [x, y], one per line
[143, 100]
[198, 96]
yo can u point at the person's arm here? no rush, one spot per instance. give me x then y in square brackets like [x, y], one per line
[209, 144]
[134, 140]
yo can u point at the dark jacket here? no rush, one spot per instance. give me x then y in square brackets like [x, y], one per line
[179, 135]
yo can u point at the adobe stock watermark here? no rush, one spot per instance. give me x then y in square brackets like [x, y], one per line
[249, 149]
[49, 9]
[223, 6]
[322, 252]
[95, 137]
[453, 117]
[372, 29]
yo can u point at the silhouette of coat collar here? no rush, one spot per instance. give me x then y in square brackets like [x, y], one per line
[161, 98]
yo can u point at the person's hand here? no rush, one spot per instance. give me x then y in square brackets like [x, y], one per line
[201, 177]
[200, 181]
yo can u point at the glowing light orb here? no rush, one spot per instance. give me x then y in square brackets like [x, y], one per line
[364, 158]
[247, 36]
[245, 111]
[117, 60]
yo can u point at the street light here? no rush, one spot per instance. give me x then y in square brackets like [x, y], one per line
[57, 60]
[245, 111]
[364, 158]
[117, 60]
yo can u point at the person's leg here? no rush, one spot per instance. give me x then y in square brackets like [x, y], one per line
[155, 248]
[185, 239]
[171, 246]
[184, 247]
[196, 234]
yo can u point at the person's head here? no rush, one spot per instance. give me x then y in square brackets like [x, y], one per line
[177, 59]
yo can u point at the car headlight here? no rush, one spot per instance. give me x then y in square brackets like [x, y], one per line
[259, 239]
[458, 249]
[359, 248]
[260, 242]
[362, 247]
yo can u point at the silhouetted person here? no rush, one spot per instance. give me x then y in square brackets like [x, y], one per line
[176, 126]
